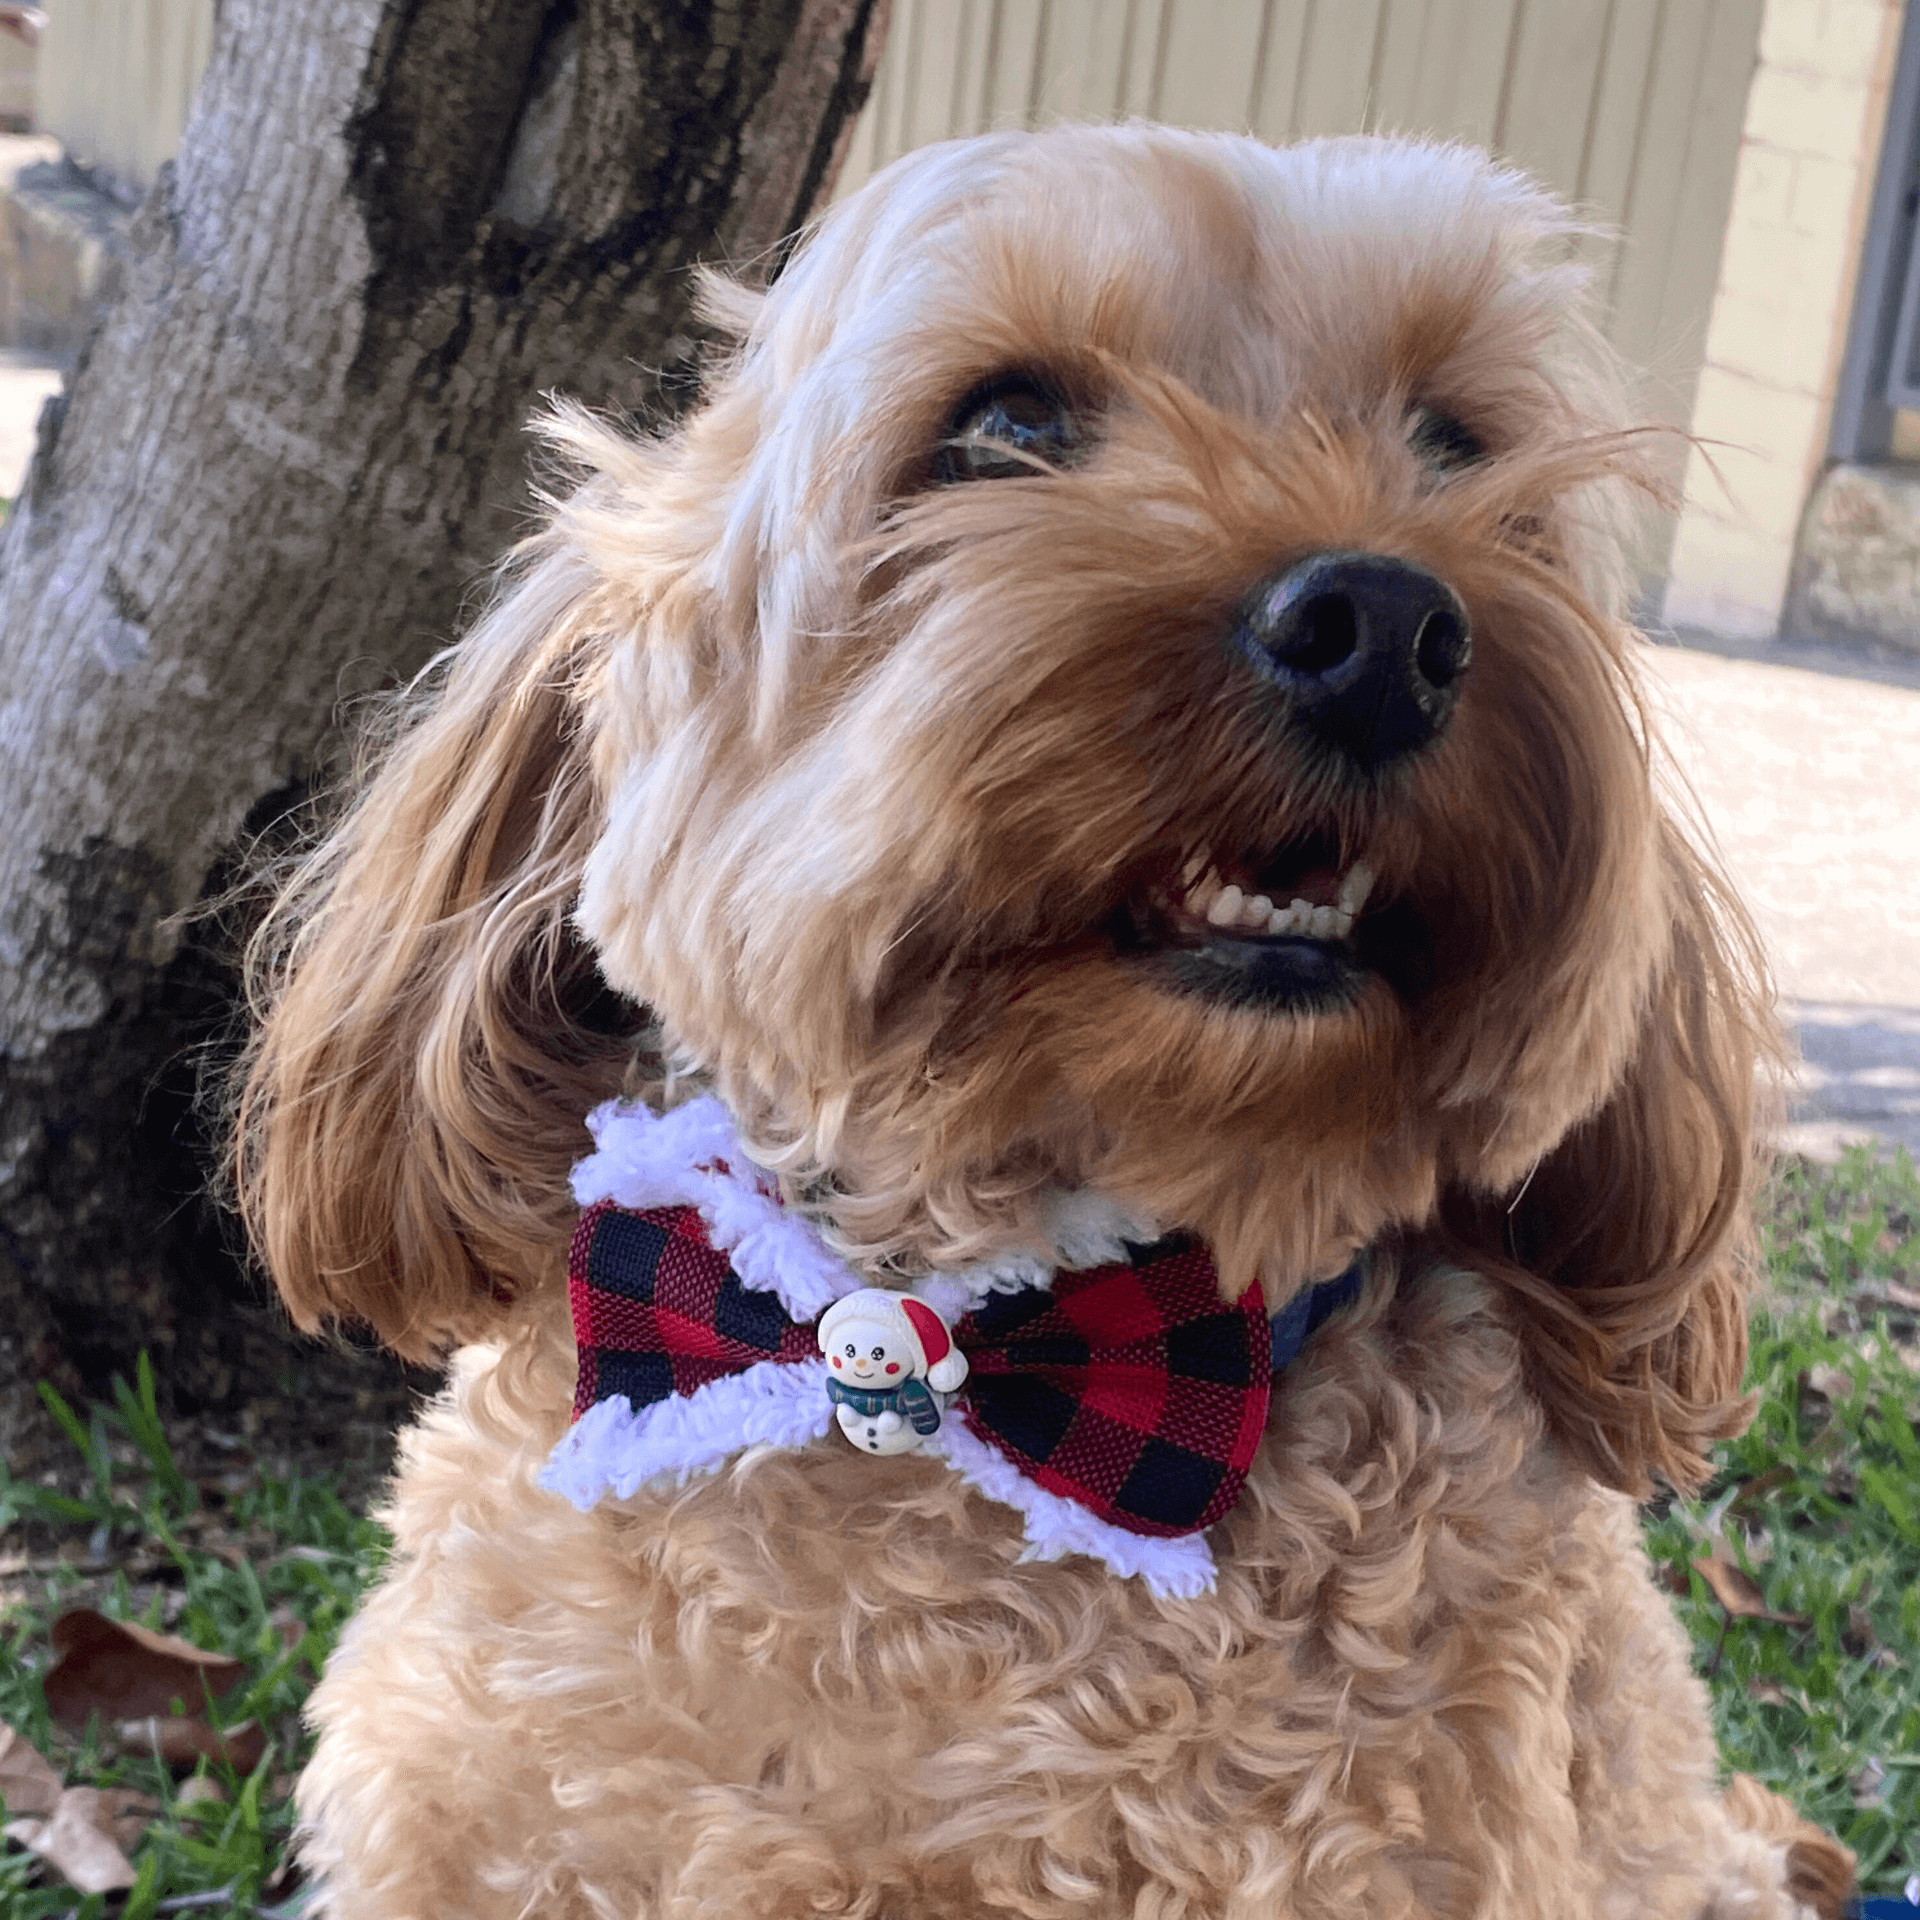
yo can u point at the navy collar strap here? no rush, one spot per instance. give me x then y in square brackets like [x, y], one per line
[1309, 1310]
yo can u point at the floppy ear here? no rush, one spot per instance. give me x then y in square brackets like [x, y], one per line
[428, 1042]
[1629, 1245]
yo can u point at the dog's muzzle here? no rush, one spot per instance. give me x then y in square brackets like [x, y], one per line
[1368, 650]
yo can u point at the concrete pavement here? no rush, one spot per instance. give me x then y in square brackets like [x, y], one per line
[1810, 783]
[27, 380]
[1808, 779]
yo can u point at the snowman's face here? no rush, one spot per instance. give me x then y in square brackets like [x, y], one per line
[870, 1353]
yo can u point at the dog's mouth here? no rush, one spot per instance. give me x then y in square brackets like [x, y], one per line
[1299, 930]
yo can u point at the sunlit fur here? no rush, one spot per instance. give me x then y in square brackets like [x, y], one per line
[841, 774]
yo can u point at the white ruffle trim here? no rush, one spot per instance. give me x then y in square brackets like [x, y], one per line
[646, 1159]
[643, 1159]
[1173, 1569]
[613, 1449]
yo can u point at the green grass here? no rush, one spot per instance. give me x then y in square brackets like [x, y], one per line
[1819, 1502]
[267, 1578]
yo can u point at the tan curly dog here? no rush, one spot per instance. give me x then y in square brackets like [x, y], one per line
[1114, 709]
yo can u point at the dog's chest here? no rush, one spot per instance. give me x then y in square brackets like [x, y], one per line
[846, 1642]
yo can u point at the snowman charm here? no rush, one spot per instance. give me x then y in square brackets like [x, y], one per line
[892, 1366]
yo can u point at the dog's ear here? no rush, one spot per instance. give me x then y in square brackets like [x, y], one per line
[1628, 1246]
[427, 1042]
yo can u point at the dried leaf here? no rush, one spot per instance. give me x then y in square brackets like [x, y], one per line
[1673, 1578]
[288, 1625]
[1868, 1783]
[1780, 1474]
[28, 1783]
[1767, 1694]
[124, 1672]
[1859, 1636]
[1735, 1589]
[1740, 1594]
[85, 1839]
[1814, 1405]
[184, 1742]
[203, 1790]
[1832, 1383]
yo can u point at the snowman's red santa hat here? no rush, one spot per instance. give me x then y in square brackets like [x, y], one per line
[909, 1323]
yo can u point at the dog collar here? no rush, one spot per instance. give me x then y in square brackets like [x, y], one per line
[1116, 1405]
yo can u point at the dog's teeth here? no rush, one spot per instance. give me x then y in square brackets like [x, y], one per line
[1354, 889]
[1258, 908]
[1342, 924]
[1196, 870]
[1320, 922]
[1225, 909]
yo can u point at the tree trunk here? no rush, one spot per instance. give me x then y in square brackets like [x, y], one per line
[290, 449]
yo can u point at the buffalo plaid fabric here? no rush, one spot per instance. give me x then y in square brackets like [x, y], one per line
[1131, 1388]
[656, 1311]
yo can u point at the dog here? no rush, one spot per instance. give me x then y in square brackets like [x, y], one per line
[1100, 761]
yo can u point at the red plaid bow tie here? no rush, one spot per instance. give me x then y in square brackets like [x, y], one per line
[1130, 1389]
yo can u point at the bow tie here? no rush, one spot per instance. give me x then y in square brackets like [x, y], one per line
[1118, 1405]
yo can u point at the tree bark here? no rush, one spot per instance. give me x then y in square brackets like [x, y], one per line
[291, 447]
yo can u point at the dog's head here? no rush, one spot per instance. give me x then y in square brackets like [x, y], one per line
[1120, 687]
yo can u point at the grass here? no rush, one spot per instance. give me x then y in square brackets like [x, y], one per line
[1819, 1501]
[1817, 1691]
[267, 1576]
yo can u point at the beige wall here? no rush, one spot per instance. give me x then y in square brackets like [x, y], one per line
[117, 78]
[1633, 108]
[1786, 279]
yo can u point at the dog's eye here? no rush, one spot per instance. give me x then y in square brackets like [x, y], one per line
[1443, 444]
[1011, 426]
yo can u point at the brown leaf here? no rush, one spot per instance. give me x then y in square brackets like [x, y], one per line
[1673, 1578]
[1815, 1407]
[85, 1839]
[288, 1625]
[123, 1672]
[1859, 1636]
[1833, 1383]
[1780, 1474]
[184, 1742]
[28, 1783]
[1735, 1589]
[1739, 1593]
[203, 1790]
[1767, 1694]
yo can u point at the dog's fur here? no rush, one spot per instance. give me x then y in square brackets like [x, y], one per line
[843, 773]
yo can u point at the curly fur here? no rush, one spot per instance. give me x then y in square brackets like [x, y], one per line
[840, 773]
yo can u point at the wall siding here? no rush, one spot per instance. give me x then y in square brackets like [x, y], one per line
[117, 78]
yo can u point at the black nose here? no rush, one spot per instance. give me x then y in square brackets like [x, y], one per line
[1368, 650]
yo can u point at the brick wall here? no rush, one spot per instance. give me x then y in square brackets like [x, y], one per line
[1780, 313]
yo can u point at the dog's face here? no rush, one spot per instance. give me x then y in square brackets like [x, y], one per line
[1148, 708]
[1118, 688]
